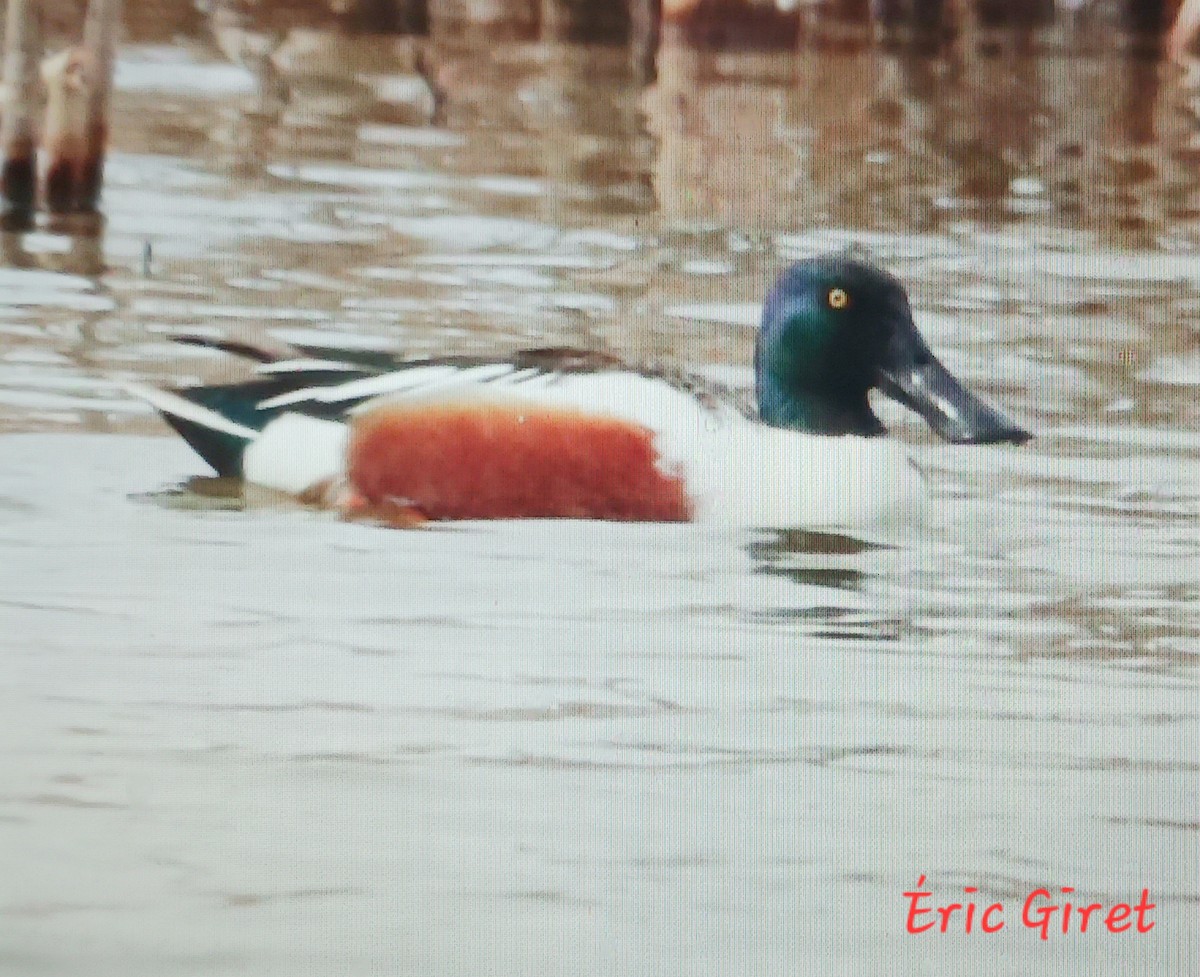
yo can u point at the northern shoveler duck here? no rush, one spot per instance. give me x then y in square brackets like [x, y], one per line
[568, 433]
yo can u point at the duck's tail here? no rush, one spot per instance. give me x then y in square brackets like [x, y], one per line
[218, 439]
[222, 420]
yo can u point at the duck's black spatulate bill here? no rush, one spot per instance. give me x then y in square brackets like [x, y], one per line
[914, 377]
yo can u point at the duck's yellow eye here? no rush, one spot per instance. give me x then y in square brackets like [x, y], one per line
[838, 299]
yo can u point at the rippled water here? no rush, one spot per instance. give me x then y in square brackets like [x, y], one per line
[245, 739]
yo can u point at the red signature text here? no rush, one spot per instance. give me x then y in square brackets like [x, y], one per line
[1041, 911]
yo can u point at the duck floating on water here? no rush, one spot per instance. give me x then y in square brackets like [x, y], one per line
[568, 433]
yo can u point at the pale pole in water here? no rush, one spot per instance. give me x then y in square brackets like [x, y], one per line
[1187, 26]
[75, 133]
[22, 51]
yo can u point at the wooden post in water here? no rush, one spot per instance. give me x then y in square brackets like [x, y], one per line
[68, 76]
[414, 16]
[586, 21]
[1186, 29]
[1025, 14]
[100, 39]
[383, 16]
[22, 51]
[645, 32]
[1146, 16]
[78, 83]
[921, 26]
[501, 18]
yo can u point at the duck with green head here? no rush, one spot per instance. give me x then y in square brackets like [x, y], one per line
[832, 330]
[576, 434]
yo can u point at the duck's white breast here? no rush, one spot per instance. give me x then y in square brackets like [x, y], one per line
[755, 476]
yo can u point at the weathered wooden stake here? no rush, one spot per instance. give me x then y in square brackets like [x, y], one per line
[22, 52]
[100, 31]
[78, 83]
[585, 21]
[1186, 29]
[645, 32]
[68, 76]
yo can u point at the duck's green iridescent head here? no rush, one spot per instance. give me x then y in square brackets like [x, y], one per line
[834, 328]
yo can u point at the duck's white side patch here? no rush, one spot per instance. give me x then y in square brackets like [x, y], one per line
[170, 403]
[294, 453]
[306, 366]
[389, 383]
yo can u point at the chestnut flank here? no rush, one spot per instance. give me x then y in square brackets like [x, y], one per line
[503, 461]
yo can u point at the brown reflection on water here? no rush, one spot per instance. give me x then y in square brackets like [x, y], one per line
[1082, 129]
[1103, 141]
